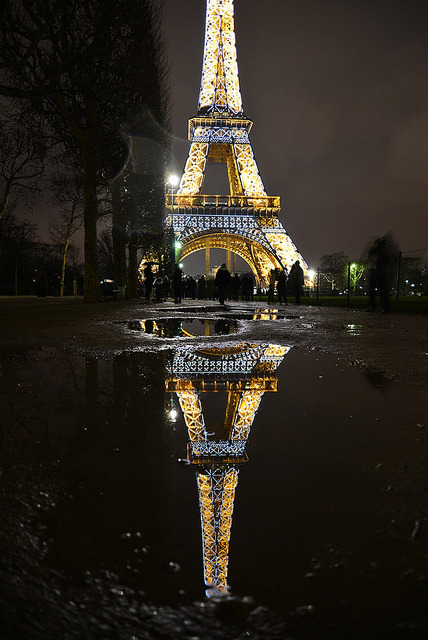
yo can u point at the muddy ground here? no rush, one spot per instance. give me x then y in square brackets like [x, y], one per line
[38, 602]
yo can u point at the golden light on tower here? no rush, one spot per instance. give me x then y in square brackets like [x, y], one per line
[245, 221]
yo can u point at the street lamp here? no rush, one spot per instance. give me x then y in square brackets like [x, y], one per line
[173, 182]
[311, 275]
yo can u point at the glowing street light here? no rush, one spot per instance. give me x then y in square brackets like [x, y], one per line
[173, 414]
[173, 181]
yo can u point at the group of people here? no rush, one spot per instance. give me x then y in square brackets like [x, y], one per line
[224, 286]
[285, 281]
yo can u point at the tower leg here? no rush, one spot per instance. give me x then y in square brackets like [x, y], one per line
[229, 256]
[207, 259]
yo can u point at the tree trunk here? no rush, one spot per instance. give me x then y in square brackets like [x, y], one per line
[132, 284]
[63, 263]
[92, 289]
[118, 236]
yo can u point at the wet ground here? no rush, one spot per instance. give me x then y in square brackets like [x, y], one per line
[101, 528]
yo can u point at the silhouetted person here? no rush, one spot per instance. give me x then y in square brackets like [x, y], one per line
[222, 281]
[192, 287]
[159, 290]
[272, 281]
[166, 287]
[148, 280]
[297, 279]
[177, 284]
[202, 288]
[41, 284]
[236, 284]
[377, 261]
[281, 286]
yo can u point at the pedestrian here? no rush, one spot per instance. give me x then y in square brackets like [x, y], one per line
[222, 281]
[166, 287]
[236, 284]
[272, 282]
[192, 287]
[377, 261]
[177, 278]
[297, 279]
[148, 280]
[281, 286]
[41, 283]
[159, 290]
[202, 288]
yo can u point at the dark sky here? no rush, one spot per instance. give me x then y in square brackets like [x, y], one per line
[337, 91]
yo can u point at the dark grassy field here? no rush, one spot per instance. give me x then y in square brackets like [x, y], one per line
[406, 304]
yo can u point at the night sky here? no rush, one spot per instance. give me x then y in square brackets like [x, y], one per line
[337, 91]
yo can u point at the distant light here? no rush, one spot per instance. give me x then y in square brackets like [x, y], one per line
[173, 414]
[173, 180]
[353, 265]
[177, 244]
[180, 265]
[311, 274]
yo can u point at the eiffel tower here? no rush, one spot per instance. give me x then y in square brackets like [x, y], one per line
[244, 372]
[245, 222]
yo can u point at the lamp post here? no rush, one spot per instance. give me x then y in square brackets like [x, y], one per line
[173, 182]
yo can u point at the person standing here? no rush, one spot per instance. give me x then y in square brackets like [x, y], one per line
[272, 281]
[222, 281]
[202, 288]
[236, 284]
[378, 259]
[177, 284]
[148, 280]
[281, 286]
[297, 279]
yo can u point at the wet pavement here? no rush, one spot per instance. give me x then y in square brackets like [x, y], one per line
[252, 451]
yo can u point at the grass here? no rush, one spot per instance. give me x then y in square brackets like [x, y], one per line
[406, 304]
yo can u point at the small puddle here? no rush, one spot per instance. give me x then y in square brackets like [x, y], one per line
[354, 329]
[184, 327]
[194, 327]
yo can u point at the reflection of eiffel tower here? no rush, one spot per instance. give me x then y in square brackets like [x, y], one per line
[246, 222]
[244, 373]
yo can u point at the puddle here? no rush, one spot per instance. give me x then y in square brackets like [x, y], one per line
[354, 329]
[184, 327]
[278, 456]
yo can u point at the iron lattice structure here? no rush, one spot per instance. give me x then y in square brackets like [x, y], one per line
[244, 373]
[245, 222]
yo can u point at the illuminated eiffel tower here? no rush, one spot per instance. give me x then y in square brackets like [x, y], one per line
[244, 372]
[245, 222]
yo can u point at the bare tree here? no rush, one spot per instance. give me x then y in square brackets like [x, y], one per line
[69, 194]
[333, 268]
[22, 154]
[88, 68]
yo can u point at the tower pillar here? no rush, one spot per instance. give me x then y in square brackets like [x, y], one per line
[207, 258]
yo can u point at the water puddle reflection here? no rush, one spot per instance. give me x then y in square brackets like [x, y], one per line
[307, 434]
[184, 327]
[354, 329]
[190, 327]
[242, 374]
